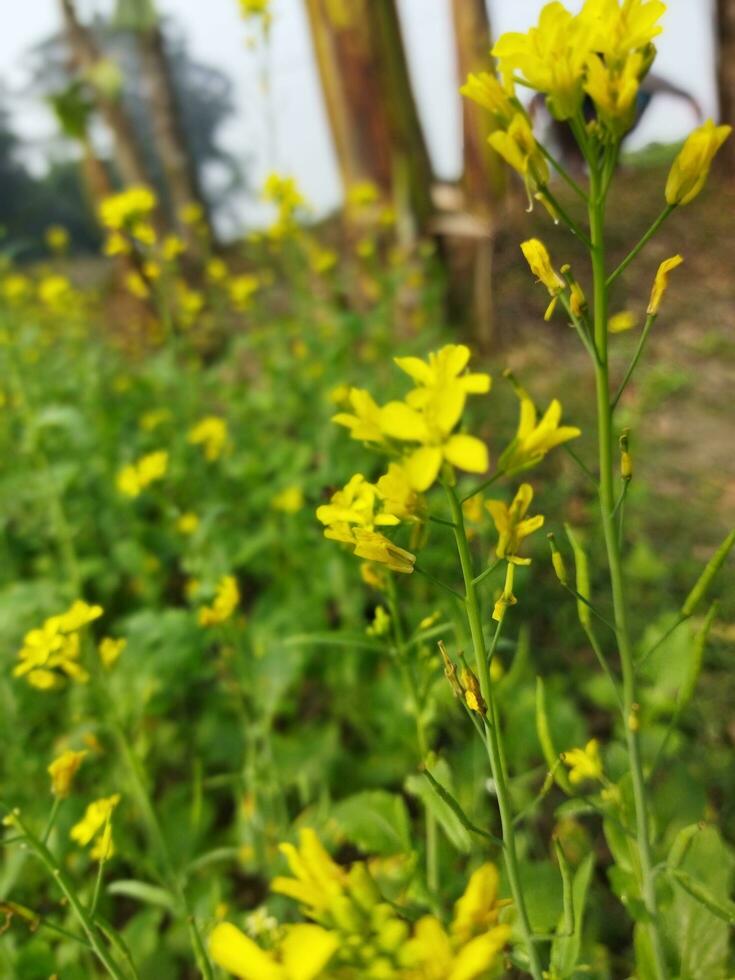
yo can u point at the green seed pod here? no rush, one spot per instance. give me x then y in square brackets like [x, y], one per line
[557, 560]
[567, 884]
[694, 663]
[681, 845]
[705, 579]
[544, 736]
[583, 578]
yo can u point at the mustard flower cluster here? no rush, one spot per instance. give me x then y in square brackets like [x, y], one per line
[353, 933]
[51, 653]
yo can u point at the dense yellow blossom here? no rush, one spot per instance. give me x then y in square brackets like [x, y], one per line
[123, 210]
[316, 880]
[512, 524]
[354, 506]
[303, 951]
[96, 825]
[226, 600]
[51, 652]
[211, 434]
[135, 477]
[661, 283]
[62, 771]
[54, 292]
[398, 495]
[690, 170]
[364, 420]
[584, 763]
[535, 439]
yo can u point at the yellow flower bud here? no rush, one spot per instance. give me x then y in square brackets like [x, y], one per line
[538, 258]
[62, 771]
[690, 170]
[661, 283]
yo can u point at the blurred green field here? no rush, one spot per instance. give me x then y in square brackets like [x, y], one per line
[293, 712]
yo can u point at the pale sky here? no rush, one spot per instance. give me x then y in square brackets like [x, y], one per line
[296, 139]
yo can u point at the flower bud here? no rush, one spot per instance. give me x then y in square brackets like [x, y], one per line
[626, 460]
[557, 560]
[690, 170]
[661, 282]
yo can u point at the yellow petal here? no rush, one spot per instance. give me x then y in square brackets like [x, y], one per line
[467, 453]
[415, 368]
[478, 955]
[235, 952]
[401, 422]
[306, 950]
[422, 467]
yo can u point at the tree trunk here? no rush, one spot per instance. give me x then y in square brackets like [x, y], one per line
[178, 165]
[368, 97]
[726, 78]
[483, 184]
[96, 178]
[86, 54]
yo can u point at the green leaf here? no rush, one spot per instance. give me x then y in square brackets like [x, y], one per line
[433, 790]
[141, 891]
[376, 821]
[565, 949]
[357, 641]
[723, 909]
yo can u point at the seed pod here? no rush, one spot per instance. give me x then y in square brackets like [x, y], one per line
[472, 693]
[583, 578]
[557, 560]
[694, 663]
[450, 671]
[705, 579]
[681, 845]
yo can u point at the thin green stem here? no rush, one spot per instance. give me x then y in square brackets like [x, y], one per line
[472, 608]
[662, 639]
[593, 610]
[480, 487]
[488, 571]
[603, 662]
[86, 920]
[634, 361]
[565, 216]
[563, 173]
[641, 244]
[607, 504]
[438, 582]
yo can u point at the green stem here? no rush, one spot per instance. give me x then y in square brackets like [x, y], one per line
[634, 362]
[472, 608]
[85, 919]
[565, 217]
[607, 504]
[563, 173]
[641, 245]
[422, 741]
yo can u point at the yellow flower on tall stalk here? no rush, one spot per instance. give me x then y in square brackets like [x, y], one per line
[549, 58]
[485, 89]
[375, 547]
[584, 764]
[111, 649]
[241, 290]
[518, 147]
[354, 506]
[534, 439]
[289, 501]
[690, 170]
[131, 206]
[364, 420]
[54, 292]
[538, 258]
[432, 427]
[96, 825]
[316, 879]
[512, 524]
[135, 477]
[211, 434]
[57, 238]
[444, 369]
[63, 770]
[621, 27]
[302, 953]
[614, 90]
[226, 601]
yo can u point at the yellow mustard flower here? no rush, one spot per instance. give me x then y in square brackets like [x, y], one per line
[190, 302]
[550, 58]
[211, 434]
[353, 506]
[690, 170]
[96, 825]
[302, 953]
[110, 650]
[614, 90]
[289, 501]
[322, 260]
[485, 89]
[242, 289]
[316, 880]
[432, 427]
[443, 369]
[398, 496]
[191, 214]
[534, 439]
[471, 945]
[136, 285]
[50, 653]
[380, 625]
[216, 270]
[172, 247]
[16, 288]
[123, 210]
[187, 523]
[135, 477]
[57, 238]
[584, 763]
[117, 244]
[226, 600]
[54, 292]
[620, 322]
[538, 258]
[63, 770]
[362, 194]
[364, 420]
[621, 28]
[512, 524]
[518, 147]
[661, 282]
[375, 547]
